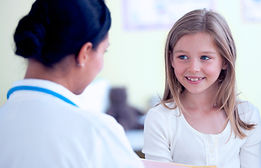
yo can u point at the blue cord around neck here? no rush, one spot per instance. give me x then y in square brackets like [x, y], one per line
[39, 89]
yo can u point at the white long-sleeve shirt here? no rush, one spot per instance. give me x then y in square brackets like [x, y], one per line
[169, 137]
[39, 130]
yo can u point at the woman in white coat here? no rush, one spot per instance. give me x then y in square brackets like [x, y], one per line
[41, 124]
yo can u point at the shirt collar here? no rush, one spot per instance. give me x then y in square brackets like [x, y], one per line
[49, 85]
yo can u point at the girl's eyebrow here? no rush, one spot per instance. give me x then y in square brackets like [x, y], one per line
[203, 52]
[209, 52]
[179, 51]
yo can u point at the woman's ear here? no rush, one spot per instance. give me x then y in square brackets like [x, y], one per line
[84, 54]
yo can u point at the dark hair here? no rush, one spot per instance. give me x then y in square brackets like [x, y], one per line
[54, 29]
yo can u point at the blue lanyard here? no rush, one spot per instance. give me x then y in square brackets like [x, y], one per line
[39, 89]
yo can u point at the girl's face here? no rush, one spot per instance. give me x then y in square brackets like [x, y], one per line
[197, 62]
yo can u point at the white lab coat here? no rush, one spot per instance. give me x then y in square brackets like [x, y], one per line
[39, 130]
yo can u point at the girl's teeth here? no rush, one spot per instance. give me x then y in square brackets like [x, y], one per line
[194, 79]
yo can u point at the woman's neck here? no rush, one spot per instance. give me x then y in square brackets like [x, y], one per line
[61, 76]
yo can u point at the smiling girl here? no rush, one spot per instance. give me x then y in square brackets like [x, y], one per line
[200, 120]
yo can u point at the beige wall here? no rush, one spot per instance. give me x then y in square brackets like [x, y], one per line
[135, 58]
[11, 67]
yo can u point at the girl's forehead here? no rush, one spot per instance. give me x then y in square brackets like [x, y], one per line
[196, 40]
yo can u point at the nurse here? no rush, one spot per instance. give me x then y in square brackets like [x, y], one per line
[41, 124]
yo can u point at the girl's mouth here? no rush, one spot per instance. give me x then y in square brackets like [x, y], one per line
[194, 79]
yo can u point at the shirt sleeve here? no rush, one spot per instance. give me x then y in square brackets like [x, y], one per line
[250, 153]
[111, 148]
[157, 136]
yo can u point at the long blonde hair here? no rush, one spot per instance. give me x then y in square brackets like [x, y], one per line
[214, 24]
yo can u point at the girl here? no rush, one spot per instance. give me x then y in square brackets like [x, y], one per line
[41, 124]
[200, 121]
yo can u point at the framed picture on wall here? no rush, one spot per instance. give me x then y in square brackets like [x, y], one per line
[251, 10]
[154, 14]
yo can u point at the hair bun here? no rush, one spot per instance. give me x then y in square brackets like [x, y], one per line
[29, 38]
[54, 29]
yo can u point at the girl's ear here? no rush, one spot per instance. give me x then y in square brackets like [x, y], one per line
[224, 65]
[84, 54]
[171, 58]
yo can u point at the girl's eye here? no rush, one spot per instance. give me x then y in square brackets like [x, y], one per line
[183, 57]
[204, 57]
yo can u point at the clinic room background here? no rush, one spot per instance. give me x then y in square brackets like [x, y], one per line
[135, 58]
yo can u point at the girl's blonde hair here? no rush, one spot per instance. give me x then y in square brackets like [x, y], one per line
[216, 26]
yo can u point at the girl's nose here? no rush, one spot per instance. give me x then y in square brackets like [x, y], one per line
[195, 65]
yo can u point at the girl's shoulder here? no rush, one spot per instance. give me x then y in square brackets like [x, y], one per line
[163, 114]
[248, 112]
[164, 110]
[161, 120]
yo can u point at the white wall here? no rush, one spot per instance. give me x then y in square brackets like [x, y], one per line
[135, 59]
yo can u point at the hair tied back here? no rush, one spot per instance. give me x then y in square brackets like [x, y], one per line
[31, 32]
[29, 43]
